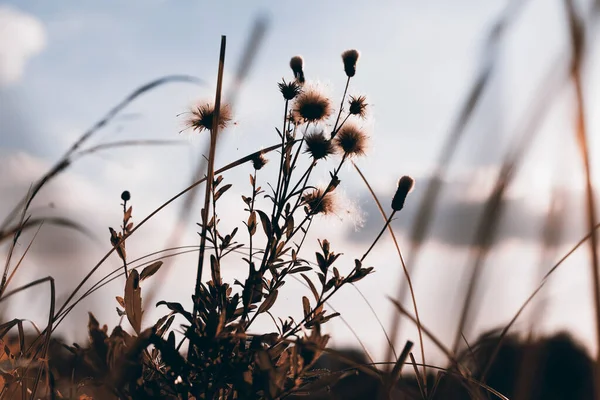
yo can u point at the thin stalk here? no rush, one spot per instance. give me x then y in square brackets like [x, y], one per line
[210, 176]
[577, 33]
[334, 131]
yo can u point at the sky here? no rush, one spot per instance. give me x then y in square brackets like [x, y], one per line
[64, 65]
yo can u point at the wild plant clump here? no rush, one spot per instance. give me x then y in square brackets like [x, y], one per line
[224, 360]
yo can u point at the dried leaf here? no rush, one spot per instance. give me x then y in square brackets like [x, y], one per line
[313, 289]
[268, 303]
[220, 192]
[264, 219]
[127, 214]
[133, 301]
[178, 308]
[150, 270]
[305, 306]
[120, 301]
[252, 224]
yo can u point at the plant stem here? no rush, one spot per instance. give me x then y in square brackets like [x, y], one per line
[333, 133]
[379, 235]
[210, 176]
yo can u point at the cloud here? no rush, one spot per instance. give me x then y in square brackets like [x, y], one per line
[22, 36]
[459, 210]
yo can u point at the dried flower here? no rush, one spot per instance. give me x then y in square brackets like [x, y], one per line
[126, 196]
[318, 145]
[350, 57]
[358, 106]
[319, 202]
[259, 161]
[203, 115]
[352, 140]
[297, 65]
[312, 106]
[405, 185]
[289, 90]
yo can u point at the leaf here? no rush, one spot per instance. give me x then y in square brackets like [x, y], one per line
[264, 219]
[327, 318]
[220, 192]
[313, 289]
[252, 224]
[304, 268]
[128, 213]
[120, 301]
[289, 226]
[305, 306]
[178, 308]
[150, 270]
[133, 301]
[165, 327]
[268, 303]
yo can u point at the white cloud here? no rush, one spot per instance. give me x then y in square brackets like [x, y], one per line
[22, 36]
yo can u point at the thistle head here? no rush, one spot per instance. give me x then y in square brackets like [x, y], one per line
[352, 140]
[358, 106]
[312, 106]
[319, 202]
[350, 58]
[203, 117]
[289, 90]
[259, 161]
[405, 185]
[317, 145]
[297, 66]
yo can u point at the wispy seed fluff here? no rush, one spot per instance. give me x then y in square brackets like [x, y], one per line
[358, 106]
[312, 106]
[405, 185]
[289, 90]
[352, 140]
[318, 203]
[350, 58]
[297, 66]
[259, 161]
[202, 117]
[317, 145]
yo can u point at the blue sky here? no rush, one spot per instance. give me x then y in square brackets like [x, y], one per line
[63, 65]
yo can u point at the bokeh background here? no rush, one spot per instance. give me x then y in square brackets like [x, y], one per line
[64, 64]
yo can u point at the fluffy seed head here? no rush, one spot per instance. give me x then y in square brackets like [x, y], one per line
[350, 58]
[259, 161]
[297, 66]
[358, 106]
[312, 106]
[351, 140]
[289, 90]
[202, 117]
[405, 185]
[317, 145]
[318, 202]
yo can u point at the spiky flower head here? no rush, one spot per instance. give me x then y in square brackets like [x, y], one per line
[289, 90]
[297, 66]
[317, 145]
[312, 106]
[405, 185]
[203, 114]
[259, 161]
[350, 58]
[319, 202]
[352, 140]
[358, 106]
